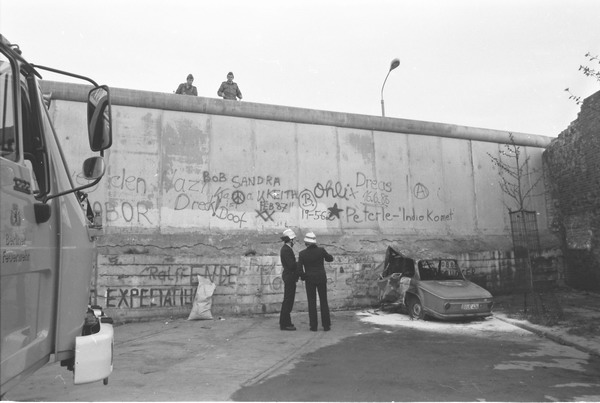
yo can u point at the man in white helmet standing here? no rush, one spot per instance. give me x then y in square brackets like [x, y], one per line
[290, 278]
[311, 267]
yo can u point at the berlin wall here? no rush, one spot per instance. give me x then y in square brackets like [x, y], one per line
[200, 186]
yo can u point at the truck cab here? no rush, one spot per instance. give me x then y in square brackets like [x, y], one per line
[47, 238]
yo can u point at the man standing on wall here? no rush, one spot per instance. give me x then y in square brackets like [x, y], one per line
[229, 89]
[290, 278]
[311, 268]
[187, 88]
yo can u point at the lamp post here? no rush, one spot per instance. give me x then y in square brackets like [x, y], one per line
[395, 63]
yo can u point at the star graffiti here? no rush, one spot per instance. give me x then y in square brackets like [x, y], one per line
[334, 211]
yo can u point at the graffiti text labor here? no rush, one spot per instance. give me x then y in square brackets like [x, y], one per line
[137, 212]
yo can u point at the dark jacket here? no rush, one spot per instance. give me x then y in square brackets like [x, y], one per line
[311, 264]
[184, 90]
[288, 261]
[229, 90]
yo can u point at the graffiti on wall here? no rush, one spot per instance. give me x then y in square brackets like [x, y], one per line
[129, 286]
[236, 197]
[164, 285]
[243, 200]
[148, 297]
[161, 285]
[130, 207]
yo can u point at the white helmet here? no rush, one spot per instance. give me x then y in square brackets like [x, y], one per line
[310, 237]
[289, 233]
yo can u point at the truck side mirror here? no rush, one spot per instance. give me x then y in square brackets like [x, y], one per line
[93, 168]
[99, 118]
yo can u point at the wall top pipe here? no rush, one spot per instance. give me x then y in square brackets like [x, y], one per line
[213, 106]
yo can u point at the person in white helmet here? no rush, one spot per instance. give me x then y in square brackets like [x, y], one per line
[311, 269]
[290, 278]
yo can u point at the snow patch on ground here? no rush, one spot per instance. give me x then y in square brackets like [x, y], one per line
[550, 354]
[474, 327]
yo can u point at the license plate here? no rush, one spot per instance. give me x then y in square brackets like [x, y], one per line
[469, 306]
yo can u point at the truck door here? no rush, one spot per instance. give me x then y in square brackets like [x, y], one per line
[28, 246]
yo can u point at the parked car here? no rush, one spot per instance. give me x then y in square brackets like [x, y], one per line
[432, 287]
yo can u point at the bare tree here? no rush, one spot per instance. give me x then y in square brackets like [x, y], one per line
[588, 72]
[513, 170]
[514, 182]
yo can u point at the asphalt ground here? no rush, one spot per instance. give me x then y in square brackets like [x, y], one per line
[567, 316]
[214, 358]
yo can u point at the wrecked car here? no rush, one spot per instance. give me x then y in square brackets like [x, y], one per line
[431, 287]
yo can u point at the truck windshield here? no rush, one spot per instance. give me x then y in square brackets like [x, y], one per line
[8, 145]
[53, 143]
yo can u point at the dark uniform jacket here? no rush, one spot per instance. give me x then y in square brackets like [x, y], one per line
[311, 264]
[288, 261]
[184, 90]
[229, 90]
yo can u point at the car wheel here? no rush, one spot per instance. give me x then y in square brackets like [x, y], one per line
[415, 309]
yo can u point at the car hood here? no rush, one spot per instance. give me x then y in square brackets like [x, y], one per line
[456, 289]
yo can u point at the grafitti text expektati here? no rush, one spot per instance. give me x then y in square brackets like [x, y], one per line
[149, 297]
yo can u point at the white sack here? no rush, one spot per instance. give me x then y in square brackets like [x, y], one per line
[203, 300]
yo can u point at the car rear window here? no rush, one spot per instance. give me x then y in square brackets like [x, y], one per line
[439, 269]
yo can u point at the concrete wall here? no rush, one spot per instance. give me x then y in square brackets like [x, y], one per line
[206, 186]
[573, 161]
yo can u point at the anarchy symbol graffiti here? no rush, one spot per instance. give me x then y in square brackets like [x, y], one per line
[420, 191]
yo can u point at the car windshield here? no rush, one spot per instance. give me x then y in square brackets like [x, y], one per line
[439, 269]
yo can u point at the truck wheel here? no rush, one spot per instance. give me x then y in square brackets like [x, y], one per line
[105, 381]
[415, 309]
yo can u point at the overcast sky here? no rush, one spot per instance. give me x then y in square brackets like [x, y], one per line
[498, 64]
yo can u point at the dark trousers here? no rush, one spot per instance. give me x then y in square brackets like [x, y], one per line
[311, 296]
[289, 294]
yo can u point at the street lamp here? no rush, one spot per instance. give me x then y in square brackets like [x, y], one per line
[395, 63]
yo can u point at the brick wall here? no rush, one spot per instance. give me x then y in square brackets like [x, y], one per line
[133, 287]
[573, 167]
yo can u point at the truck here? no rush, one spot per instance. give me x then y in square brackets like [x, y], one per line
[48, 232]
